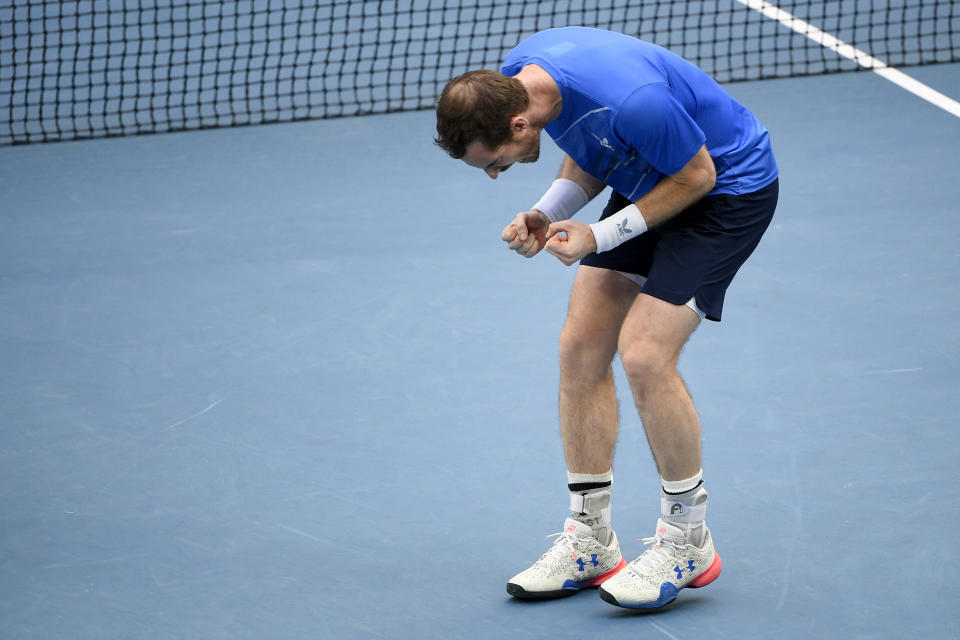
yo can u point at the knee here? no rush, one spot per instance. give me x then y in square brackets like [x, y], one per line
[583, 355]
[646, 365]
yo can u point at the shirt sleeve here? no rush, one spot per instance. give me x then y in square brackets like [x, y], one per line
[653, 122]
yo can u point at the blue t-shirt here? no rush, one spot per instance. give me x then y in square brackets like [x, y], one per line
[634, 112]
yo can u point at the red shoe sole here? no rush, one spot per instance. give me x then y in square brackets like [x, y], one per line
[709, 575]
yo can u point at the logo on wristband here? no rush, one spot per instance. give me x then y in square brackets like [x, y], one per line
[622, 229]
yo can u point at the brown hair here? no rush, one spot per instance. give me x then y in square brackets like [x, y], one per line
[477, 106]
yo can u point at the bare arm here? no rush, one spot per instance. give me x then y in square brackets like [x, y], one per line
[670, 196]
[571, 171]
[676, 192]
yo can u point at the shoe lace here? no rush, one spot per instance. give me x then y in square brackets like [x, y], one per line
[564, 543]
[655, 555]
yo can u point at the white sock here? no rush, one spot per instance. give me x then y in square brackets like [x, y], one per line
[682, 486]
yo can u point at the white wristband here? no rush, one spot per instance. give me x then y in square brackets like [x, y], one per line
[563, 199]
[613, 231]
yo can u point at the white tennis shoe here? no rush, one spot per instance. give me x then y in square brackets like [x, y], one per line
[577, 560]
[670, 564]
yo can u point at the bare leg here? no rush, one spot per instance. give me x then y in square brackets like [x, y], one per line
[599, 301]
[651, 340]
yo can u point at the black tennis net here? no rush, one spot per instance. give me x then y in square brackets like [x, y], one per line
[84, 69]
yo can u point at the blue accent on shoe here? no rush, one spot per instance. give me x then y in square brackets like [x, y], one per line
[668, 593]
[571, 585]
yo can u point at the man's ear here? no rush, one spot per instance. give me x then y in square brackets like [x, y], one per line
[519, 123]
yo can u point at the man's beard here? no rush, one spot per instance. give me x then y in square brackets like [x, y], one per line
[533, 153]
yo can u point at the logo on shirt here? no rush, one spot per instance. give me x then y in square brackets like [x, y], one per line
[603, 142]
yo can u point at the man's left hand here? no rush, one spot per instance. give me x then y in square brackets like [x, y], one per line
[569, 241]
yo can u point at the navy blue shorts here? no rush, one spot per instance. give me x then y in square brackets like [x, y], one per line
[696, 253]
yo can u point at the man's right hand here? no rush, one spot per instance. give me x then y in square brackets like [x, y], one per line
[527, 233]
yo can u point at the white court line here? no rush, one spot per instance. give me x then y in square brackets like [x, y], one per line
[850, 52]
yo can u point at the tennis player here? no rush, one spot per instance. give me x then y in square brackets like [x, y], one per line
[694, 187]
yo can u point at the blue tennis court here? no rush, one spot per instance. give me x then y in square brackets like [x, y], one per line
[285, 381]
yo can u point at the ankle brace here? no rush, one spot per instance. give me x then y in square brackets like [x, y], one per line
[590, 501]
[687, 510]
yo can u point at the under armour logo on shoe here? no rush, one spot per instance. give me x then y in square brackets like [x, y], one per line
[593, 559]
[676, 508]
[622, 229]
[689, 568]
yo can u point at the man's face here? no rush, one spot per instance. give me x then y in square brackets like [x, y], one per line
[524, 146]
